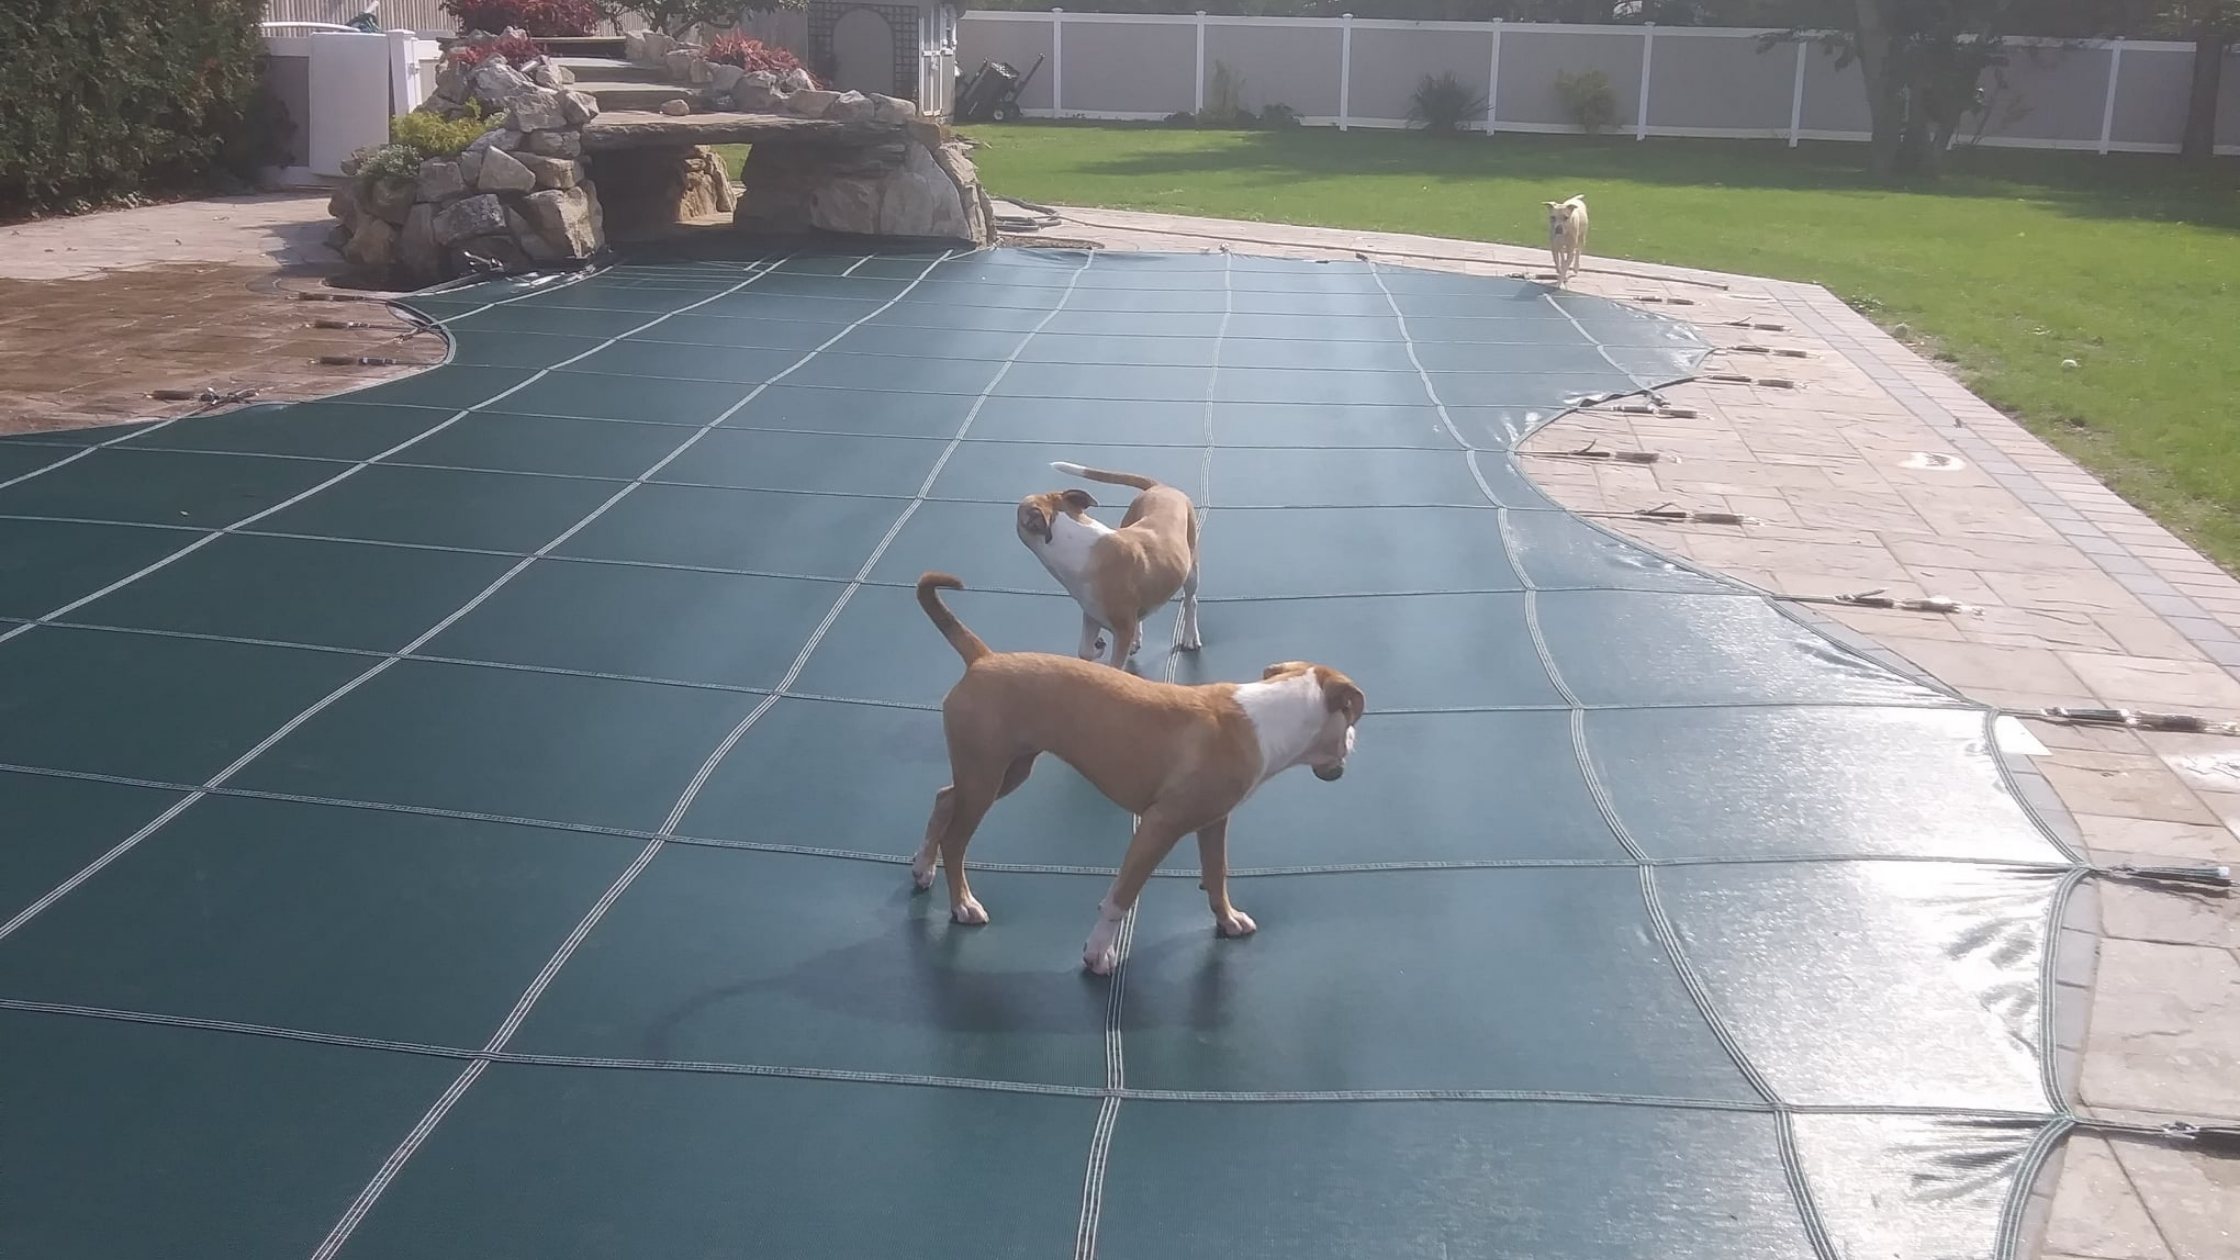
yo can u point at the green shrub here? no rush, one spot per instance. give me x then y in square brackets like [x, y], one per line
[1588, 98]
[388, 164]
[1224, 99]
[1278, 117]
[433, 136]
[125, 98]
[1443, 103]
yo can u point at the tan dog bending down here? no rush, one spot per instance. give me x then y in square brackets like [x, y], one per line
[1118, 576]
[1178, 758]
[1567, 236]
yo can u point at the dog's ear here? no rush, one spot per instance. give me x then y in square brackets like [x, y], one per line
[1553, 204]
[1344, 697]
[1280, 667]
[1078, 500]
[1033, 520]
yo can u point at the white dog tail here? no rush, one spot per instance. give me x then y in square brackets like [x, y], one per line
[1099, 474]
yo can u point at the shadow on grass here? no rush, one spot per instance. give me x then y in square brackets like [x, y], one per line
[2116, 186]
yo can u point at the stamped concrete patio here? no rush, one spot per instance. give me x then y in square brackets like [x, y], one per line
[99, 311]
[1872, 470]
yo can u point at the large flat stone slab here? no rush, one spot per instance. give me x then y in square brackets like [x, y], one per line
[628, 130]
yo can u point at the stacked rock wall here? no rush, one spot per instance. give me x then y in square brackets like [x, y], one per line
[519, 194]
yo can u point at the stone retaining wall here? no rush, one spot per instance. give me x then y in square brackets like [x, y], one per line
[528, 191]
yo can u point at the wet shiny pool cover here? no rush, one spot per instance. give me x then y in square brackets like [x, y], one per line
[468, 817]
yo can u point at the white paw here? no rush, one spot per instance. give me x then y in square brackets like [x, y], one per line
[1236, 923]
[922, 876]
[1190, 641]
[969, 912]
[1093, 651]
[1102, 953]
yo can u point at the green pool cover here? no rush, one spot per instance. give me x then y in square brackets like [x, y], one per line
[469, 817]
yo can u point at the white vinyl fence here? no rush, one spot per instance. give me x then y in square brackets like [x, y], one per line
[340, 89]
[2114, 96]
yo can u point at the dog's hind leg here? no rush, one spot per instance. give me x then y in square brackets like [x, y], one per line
[1190, 640]
[944, 805]
[1213, 876]
[956, 815]
[1154, 839]
[1127, 637]
[921, 866]
[967, 806]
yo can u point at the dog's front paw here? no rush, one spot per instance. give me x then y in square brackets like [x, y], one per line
[921, 873]
[1191, 641]
[1102, 953]
[969, 912]
[1234, 923]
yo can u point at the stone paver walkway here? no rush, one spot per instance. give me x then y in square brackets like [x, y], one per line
[1875, 471]
[99, 310]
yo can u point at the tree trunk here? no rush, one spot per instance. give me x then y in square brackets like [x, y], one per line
[2200, 142]
[1883, 104]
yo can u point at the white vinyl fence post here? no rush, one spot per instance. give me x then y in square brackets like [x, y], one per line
[2108, 108]
[1057, 62]
[1345, 70]
[1198, 93]
[404, 72]
[1641, 115]
[1796, 97]
[1493, 78]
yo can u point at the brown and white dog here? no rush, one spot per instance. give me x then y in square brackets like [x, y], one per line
[1179, 758]
[1567, 235]
[1118, 576]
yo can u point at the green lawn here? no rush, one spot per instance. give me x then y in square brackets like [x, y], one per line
[2015, 262]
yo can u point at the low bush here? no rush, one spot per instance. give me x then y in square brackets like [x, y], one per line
[1224, 105]
[431, 135]
[544, 19]
[1443, 103]
[1589, 99]
[1278, 117]
[391, 163]
[730, 48]
[130, 98]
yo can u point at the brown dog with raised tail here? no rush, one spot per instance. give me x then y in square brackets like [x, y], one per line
[1179, 758]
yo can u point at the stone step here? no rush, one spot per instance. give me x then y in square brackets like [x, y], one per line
[584, 46]
[613, 70]
[615, 130]
[634, 96]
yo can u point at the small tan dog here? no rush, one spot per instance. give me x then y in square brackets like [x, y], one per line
[1567, 236]
[1178, 758]
[1118, 576]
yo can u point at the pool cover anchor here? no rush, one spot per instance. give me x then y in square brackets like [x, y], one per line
[1593, 450]
[207, 397]
[2210, 1139]
[1877, 598]
[2135, 719]
[1674, 514]
[2219, 877]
